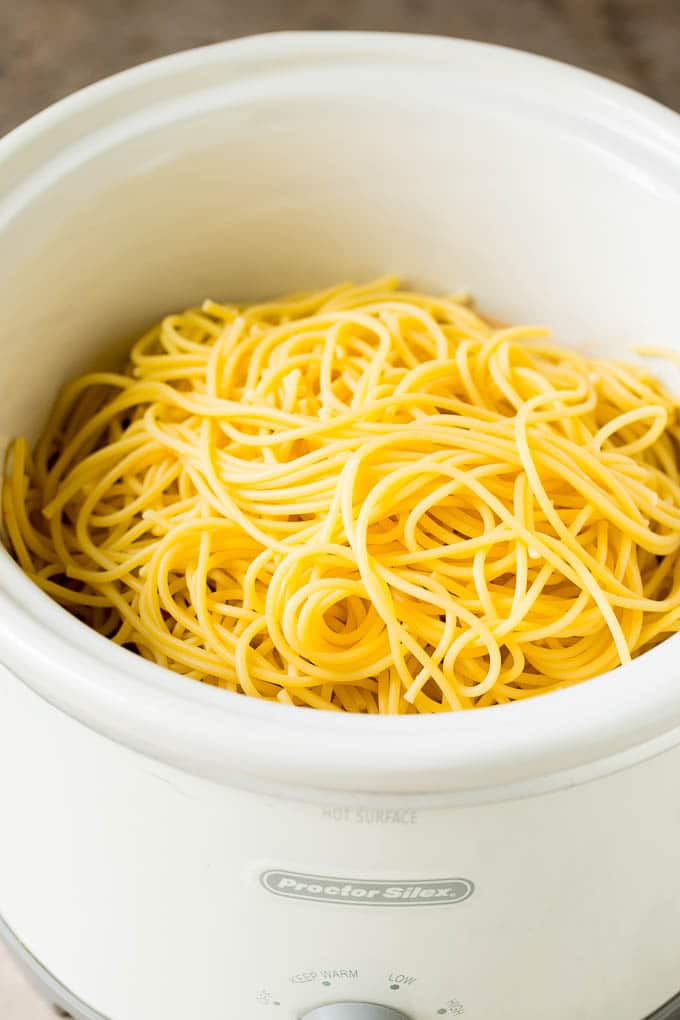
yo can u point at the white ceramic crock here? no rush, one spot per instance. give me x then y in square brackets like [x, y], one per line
[169, 850]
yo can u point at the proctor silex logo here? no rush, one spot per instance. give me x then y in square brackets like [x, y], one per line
[350, 891]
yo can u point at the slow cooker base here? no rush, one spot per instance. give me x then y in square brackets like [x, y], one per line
[70, 1005]
[48, 986]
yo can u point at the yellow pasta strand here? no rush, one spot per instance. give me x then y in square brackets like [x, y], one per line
[361, 500]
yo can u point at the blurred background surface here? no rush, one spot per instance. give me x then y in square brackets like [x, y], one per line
[49, 48]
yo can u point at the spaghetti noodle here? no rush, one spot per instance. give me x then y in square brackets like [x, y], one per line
[364, 499]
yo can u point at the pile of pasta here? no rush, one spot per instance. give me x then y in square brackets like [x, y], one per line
[362, 500]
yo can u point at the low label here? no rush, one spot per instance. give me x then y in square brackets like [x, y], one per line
[350, 891]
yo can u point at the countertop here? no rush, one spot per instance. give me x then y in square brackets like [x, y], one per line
[49, 48]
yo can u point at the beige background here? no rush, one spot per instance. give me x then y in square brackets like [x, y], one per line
[49, 48]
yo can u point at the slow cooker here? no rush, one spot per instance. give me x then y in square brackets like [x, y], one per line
[169, 850]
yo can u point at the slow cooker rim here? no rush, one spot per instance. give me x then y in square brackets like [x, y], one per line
[514, 749]
[140, 704]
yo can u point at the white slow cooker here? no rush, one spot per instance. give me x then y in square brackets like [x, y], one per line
[168, 850]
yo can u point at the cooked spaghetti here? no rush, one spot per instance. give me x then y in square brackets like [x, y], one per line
[364, 500]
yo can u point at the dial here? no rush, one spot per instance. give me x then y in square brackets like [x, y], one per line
[354, 1011]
